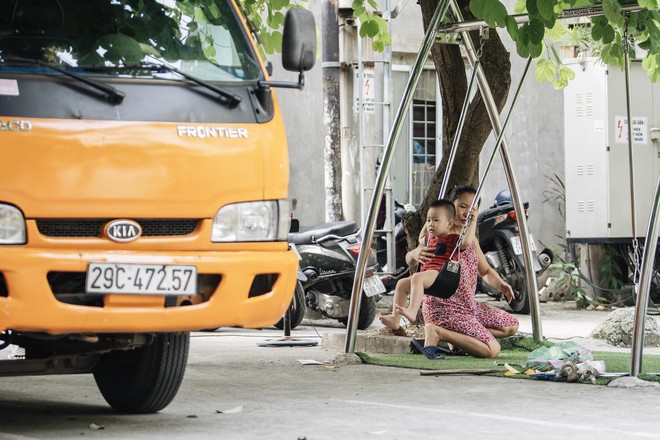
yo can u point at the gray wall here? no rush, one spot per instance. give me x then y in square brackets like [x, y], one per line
[303, 118]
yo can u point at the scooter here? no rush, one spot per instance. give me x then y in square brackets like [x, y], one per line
[401, 269]
[328, 258]
[499, 239]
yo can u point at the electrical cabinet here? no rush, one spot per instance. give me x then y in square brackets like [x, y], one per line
[597, 171]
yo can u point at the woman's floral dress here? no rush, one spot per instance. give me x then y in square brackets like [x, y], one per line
[461, 312]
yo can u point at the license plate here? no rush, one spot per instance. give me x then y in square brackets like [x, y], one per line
[143, 279]
[517, 244]
[373, 286]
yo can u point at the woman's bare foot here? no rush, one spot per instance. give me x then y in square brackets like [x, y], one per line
[393, 321]
[409, 314]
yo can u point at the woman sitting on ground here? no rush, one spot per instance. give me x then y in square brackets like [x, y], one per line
[460, 320]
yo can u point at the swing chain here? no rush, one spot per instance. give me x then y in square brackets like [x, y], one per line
[627, 40]
[483, 36]
[635, 258]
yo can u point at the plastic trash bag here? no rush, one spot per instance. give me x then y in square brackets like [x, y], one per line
[553, 358]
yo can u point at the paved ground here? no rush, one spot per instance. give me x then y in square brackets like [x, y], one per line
[266, 393]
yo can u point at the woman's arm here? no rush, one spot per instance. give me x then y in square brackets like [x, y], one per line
[471, 232]
[419, 255]
[491, 276]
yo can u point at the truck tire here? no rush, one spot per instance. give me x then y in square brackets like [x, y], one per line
[146, 379]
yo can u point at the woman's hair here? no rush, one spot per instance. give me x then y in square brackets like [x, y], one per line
[456, 192]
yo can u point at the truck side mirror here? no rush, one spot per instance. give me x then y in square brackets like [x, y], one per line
[295, 225]
[299, 40]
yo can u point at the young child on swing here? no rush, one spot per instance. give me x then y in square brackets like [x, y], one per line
[438, 227]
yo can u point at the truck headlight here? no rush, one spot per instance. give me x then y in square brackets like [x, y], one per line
[12, 225]
[252, 221]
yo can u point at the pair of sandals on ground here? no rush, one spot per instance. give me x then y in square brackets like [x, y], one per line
[436, 353]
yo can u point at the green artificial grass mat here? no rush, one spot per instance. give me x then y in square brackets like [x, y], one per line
[516, 356]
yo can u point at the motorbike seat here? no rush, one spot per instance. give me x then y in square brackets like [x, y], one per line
[311, 234]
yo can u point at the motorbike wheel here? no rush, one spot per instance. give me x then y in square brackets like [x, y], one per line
[146, 379]
[367, 313]
[297, 308]
[518, 282]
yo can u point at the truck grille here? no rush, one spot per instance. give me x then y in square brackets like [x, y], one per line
[94, 227]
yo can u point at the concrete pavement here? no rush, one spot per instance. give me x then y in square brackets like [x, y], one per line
[235, 389]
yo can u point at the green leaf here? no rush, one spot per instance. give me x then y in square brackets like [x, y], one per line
[478, 8]
[566, 72]
[545, 71]
[652, 66]
[520, 7]
[532, 8]
[386, 39]
[648, 4]
[557, 31]
[535, 50]
[546, 9]
[358, 8]
[369, 28]
[522, 48]
[536, 31]
[512, 27]
[121, 48]
[498, 11]
[382, 24]
[597, 31]
[608, 34]
[277, 41]
[612, 10]
[267, 43]
[373, 4]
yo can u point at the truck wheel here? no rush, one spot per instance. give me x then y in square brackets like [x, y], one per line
[297, 310]
[367, 313]
[146, 379]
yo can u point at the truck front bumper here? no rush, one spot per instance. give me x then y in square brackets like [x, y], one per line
[29, 304]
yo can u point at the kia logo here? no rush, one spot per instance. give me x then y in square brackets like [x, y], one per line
[122, 230]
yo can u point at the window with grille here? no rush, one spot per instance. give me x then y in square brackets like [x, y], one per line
[423, 148]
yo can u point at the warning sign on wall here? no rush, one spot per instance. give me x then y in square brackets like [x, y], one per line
[640, 130]
[368, 90]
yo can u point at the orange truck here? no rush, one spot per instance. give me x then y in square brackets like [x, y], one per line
[143, 186]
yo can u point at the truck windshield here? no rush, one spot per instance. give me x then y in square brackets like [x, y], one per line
[109, 37]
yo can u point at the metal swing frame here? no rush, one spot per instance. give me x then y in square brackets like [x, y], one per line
[463, 27]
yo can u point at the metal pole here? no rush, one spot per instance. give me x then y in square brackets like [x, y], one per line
[331, 113]
[631, 162]
[591, 11]
[457, 135]
[427, 43]
[644, 287]
[491, 108]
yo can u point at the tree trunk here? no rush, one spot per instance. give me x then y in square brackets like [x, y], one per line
[451, 69]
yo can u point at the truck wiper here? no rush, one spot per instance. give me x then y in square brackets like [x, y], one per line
[112, 95]
[227, 98]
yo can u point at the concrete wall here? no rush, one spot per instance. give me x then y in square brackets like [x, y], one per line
[303, 117]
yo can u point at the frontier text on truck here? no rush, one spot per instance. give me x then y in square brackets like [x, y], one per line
[143, 186]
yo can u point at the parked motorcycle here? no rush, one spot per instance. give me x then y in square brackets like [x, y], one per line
[401, 269]
[328, 258]
[499, 239]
